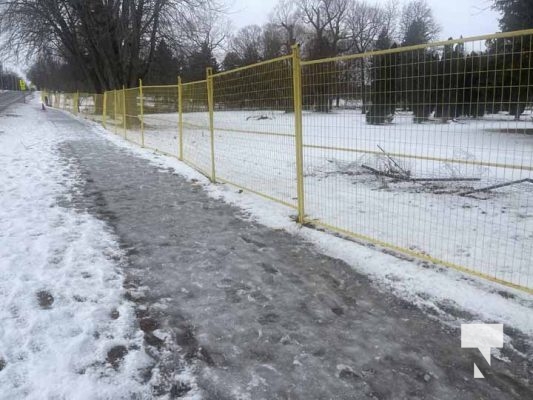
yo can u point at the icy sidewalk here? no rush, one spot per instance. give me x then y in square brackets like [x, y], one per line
[260, 313]
[65, 330]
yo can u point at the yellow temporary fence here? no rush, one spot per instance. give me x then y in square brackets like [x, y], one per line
[424, 150]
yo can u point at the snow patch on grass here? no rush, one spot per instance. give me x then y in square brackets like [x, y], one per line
[66, 331]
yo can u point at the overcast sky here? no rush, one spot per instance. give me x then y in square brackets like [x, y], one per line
[456, 17]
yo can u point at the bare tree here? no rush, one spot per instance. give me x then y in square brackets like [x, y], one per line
[273, 41]
[364, 24]
[247, 44]
[327, 20]
[112, 42]
[327, 37]
[194, 28]
[253, 43]
[287, 15]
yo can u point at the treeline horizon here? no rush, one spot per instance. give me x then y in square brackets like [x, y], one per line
[101, 45]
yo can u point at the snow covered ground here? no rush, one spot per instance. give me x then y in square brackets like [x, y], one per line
[430, 287]
[66, 331]
[488, 232]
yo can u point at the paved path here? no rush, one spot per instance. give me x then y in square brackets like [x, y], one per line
[259, 313]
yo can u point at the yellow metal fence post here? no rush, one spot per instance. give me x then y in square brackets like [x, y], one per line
[180, 117]
[298, 127]
[211, 105]
[115, 109]
[104, 110]
[76, 103]
[141, 100]
[124, 111]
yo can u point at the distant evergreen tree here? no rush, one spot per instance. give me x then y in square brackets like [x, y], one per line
[422, 83]
[272, 42]
[446, 84]
[384, 40]
[516, 14]
[231, 61]
[510, 75]
[418, 72]
[383, 88]
[165, 67]
[417, 24]
[416, 33]
[476, 78]
[511, 58]
[319, 78]
[459, 80]
[416, 83]
[198, 62]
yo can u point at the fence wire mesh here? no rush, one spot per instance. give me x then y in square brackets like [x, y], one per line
[254, 129]
[132, 115]
[196, 137]
[396, 144]
[91, 106]
[160, 104]
[426, 150]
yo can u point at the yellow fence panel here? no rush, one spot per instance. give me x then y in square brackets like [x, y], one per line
[120, 111]
[91, 106]
[132, 112]
[254, 129]
[399, 146]
[161, 118]
[56, 100]
[196, 136]
[426, 150]
[66, 101]
[109, 109]
[113, 112]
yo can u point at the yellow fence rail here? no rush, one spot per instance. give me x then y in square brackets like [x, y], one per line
[424, 150]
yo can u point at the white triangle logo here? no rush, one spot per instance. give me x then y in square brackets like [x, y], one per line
[477, 373]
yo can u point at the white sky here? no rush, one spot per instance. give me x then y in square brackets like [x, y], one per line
[456, 17]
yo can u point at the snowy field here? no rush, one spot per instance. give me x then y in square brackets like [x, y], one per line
[488, 232]
[65, 330]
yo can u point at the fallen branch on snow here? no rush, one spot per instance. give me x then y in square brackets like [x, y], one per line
[500, 185]
[404, 172]
[258, 117]
[387, 174]
[407, 178]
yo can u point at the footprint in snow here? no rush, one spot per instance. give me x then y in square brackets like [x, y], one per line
[45, 299]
